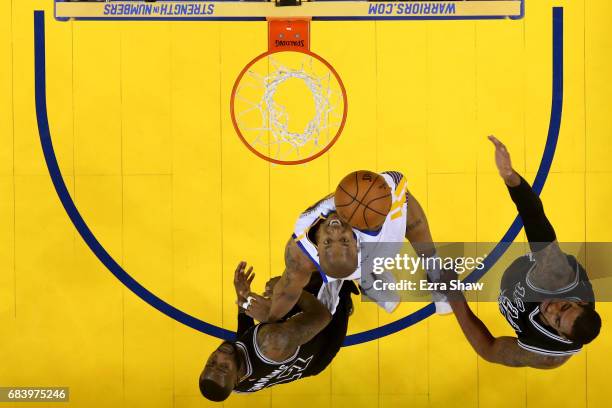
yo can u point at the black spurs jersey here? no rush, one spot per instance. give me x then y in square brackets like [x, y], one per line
[263, 372]
[519, 301]
[309, 359]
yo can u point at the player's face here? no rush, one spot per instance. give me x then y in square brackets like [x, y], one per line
[560, 314]
[222, 366]
[337, 247]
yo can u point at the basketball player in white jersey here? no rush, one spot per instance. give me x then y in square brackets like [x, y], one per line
[324, 243]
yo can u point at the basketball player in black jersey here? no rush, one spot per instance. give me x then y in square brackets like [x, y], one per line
[263, 355]
[545, 296]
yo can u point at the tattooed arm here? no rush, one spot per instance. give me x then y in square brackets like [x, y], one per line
[278, 341]
[417, 228]
[288, 289]
[506, 351]
[500, 350]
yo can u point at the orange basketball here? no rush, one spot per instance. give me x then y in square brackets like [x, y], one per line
[363, 199]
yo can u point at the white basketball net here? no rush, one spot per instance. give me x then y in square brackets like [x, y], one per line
[272, 127]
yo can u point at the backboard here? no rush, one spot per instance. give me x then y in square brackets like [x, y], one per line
[232, 10]
[288, 105]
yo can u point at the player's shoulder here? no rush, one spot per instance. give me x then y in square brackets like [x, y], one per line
[314, 214]
[512, 352]
[541, 358]
[394, 174]
[395, 178]
[296, 261]
[273, 341]
[322, 206]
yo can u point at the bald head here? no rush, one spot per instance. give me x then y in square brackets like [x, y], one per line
[220, 373]
[337, 247]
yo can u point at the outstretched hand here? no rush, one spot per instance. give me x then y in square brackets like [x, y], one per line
[254, 305]
[504, 164]
[242, 281]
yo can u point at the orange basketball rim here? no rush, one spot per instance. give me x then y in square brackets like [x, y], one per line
[288, 105]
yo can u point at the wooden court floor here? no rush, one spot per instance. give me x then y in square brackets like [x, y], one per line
[139, 118]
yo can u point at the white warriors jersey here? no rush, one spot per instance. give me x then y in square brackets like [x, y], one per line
[393, 229]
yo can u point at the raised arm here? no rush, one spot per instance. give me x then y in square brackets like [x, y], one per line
[288, 289]
[417, 228]
[419, 235]
[552, 270]
[500, 350]
[278, 341]
[242, 285]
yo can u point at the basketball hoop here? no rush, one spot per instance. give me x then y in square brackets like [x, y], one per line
[288, 105]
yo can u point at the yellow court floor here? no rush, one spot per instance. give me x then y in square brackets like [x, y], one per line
[139, 115]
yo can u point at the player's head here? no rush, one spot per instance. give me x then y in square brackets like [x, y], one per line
[220, 374]
[337, 247]
[576, 321]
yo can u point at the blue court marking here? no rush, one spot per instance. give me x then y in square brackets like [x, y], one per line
[73, 212]
[212, 330]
